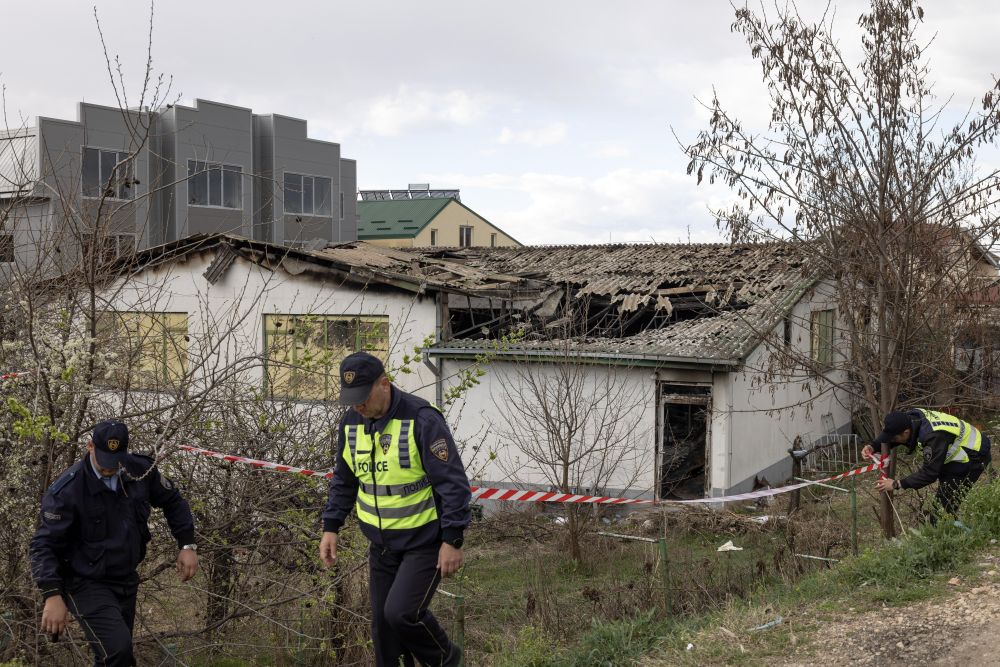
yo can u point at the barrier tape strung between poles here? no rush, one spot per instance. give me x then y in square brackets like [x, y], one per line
[516, 495]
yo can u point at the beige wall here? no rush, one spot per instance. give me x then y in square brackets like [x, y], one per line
[447, 222]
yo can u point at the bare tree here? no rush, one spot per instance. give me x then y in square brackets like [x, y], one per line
[574, 425]
[862, 161]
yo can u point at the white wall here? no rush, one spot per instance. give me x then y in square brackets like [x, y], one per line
[479, 415]
[758, 414]
[246, 292]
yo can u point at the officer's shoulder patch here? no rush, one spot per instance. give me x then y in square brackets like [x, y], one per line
[51, 516]
[167, 483]
[439, 448]
[60, 483]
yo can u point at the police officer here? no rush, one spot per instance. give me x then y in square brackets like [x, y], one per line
[955, 453]
[92, 535]
[398, 465]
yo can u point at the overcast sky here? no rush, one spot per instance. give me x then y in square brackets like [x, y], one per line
[553, 118]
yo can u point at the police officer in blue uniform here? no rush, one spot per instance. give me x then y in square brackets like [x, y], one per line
[398, 466]
[92, 535]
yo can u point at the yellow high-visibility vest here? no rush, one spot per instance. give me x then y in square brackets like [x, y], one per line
[394, 492]
[967, 437]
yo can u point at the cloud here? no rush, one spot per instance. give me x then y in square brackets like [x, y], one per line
[611, 150]
[621, 205]
[548, 135]
[411, 109]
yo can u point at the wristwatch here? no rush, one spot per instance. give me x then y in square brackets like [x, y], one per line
[190, 547]
[895, 485]
[457, 542]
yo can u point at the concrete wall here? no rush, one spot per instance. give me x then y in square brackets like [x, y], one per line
[479, 419]
[237, 303]
[447, 224]
[757, 417]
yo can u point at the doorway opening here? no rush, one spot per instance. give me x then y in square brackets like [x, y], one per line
[684, 436]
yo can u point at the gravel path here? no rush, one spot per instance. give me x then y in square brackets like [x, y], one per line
[960, 629]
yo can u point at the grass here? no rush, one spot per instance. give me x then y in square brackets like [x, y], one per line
[908, 569]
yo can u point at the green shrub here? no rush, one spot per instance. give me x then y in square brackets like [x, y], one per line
[532, 649]
[915, 556]
[616, 643]
[981, 510]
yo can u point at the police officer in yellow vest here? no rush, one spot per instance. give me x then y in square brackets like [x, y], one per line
[955, 453]
[398, 466]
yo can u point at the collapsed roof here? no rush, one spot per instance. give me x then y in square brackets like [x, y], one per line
[703, 303]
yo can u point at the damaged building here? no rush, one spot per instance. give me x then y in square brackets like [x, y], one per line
[729, 349]
[676, 371]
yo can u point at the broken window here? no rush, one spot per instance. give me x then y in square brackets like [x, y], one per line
[685, 415]
[821, 338]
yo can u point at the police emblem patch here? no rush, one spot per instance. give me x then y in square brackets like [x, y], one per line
[439, 448]
[51, 516]
[386, 442]
[167, 483]
[112, 445]
[349, 377]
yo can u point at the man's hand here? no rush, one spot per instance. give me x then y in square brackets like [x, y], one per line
[54, 616]
[187, 563]
[328, 549]
[450, 559]
[886, 484]
[867, 451]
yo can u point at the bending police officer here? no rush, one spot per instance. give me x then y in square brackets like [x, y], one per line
[955, 453]
[398, 465]
[92, 535]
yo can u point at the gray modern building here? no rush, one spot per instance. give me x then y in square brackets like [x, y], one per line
[133, 179]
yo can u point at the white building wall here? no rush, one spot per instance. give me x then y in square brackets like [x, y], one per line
[478, 418]
[765, 414]
[246, 292]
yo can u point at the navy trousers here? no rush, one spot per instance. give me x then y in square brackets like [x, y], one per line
[402, 584]
[106, 612]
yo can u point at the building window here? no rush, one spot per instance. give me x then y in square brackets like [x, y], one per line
[787, 330]
[493, 240]
[151, 349]
[303, 352]
[215, 184]
[821, 338]
[434, 237]
[464, 236]
[341, 205]
[6, 247]
[108, 174]
[308, 195]
[108, 247]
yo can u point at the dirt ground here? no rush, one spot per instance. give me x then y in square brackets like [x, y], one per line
[960, 629]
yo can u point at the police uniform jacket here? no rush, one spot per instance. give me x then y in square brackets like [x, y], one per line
[936, 444]
[88, 531]
[444, 470]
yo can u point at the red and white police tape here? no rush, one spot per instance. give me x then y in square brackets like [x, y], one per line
[517, 495]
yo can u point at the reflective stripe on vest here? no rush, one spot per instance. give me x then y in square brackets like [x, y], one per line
[394, 492]
[967, 437]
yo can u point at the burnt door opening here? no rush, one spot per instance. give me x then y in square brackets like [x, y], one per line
[684, 423]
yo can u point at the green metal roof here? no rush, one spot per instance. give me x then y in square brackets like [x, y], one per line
[398, 218]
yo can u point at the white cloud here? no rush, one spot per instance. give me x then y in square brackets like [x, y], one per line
[548, 135]
[410, 109]
[612, 151]
[622, 205]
